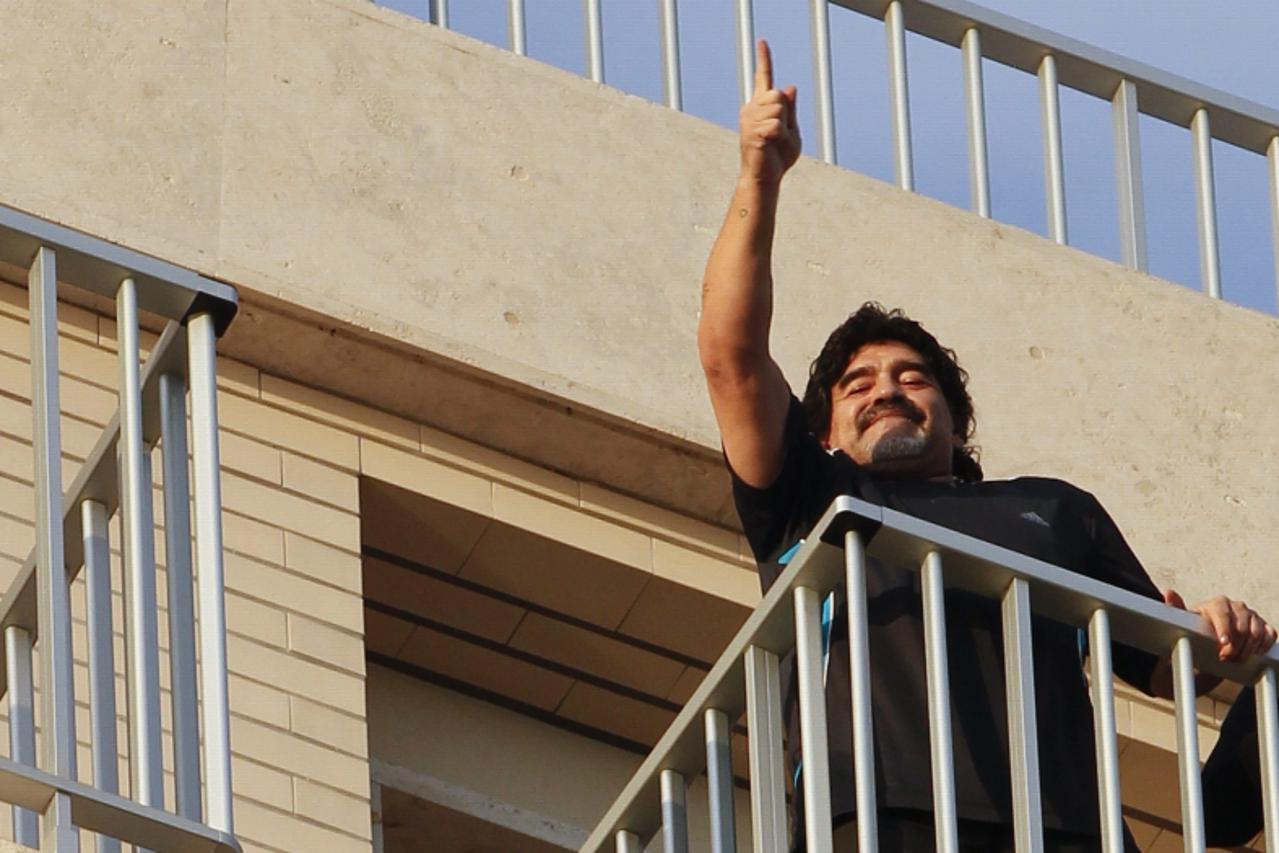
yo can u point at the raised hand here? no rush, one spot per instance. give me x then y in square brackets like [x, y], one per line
[769, 130]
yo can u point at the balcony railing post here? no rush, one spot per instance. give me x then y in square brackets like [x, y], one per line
[202, 379]
[1183, 680]
[764, 723]
[1272, 171]
[939, 736]
[594, 40]
[1132, 205]
[515, 33]
[745, 20]
[1023, 731]
[627, 842]
[177, 531]
[719, 781]
[899, 95]
[1268, 743]
[815, 772]
[438, 12]
[860, 691]
[1054, 166]
[975, 103]
[674, 813]
[137, 522]
[820, 33]
[1102, 687]
[1206, 204]
[22, 724]
[670, 55]
[57, 686]
[98, 607]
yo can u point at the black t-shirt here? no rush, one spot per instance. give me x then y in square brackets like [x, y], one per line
[1042, 518]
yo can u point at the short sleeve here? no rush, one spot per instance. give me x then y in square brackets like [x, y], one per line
[776, 517]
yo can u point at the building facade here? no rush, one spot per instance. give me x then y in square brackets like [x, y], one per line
[479, 542]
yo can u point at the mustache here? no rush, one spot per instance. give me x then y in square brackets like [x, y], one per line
[897, 405]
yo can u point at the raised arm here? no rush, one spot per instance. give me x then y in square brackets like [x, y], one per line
[747, 389]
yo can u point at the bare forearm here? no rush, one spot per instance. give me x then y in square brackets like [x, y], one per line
[747, 390]
[737, 289]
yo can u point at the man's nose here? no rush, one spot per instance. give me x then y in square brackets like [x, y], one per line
[887, 389]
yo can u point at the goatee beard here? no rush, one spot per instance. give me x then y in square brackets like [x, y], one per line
[894, 447]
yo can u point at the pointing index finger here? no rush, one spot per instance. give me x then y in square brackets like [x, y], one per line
[763, 68]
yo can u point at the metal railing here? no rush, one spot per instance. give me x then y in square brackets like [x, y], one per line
[1131, 88]
[746, 677]
[50, 806]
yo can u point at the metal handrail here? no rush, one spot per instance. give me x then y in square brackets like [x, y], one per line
[1057, 60]
[852, 530]
[98, 266]
[72, 531]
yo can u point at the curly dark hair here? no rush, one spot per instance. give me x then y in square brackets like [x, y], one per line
[872, 323]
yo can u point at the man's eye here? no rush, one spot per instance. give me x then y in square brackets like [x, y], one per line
[914, 379]
[859, 388]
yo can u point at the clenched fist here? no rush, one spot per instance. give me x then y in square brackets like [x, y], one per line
[769, 130]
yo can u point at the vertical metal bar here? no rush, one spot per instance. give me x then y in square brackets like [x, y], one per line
[1192, 804]
[719, 782]
[939, 736]
[202, 367]
[97, 593]
[895, 28]
[812, 721]
[627, 842]
[1132, 205]
[1272, 161]
[142, 653]
[1206, 204]
[670, 55]
[1268, 743]
[975, 101]
[59, 832]
[57, 692]
[439, 12]
[177, 546]
[820, 31]
[1023, 731]
[745, 48]
[594, 40]
[764, 723]
[22, 722]
[1103, 706]
[1054, 168]
[516, 35]
[674, 813]
[859, 666]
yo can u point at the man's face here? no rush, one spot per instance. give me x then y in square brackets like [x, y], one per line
[889, 415]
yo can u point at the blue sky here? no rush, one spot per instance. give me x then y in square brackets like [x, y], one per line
[1228, 45]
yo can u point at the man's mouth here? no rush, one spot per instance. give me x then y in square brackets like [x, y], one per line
[874, 415]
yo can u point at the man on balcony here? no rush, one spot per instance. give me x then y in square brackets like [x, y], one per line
[886, 416]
